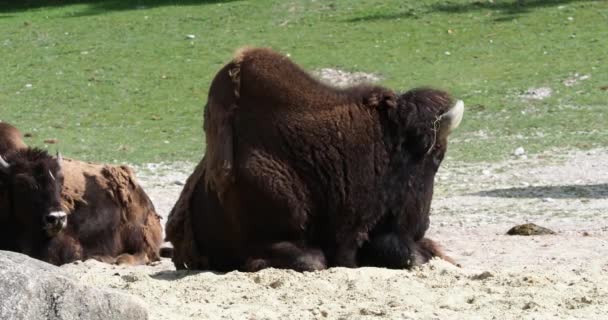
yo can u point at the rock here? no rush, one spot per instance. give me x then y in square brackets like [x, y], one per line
[519, 152]
[529, 229]
[31, 289]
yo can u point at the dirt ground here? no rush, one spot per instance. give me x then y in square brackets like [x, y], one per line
[560, 276]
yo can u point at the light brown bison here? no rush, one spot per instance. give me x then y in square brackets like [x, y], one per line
[10, 138]
[61, 210]
[302, 175]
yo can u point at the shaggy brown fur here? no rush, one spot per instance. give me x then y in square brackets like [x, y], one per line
[302, 175]
[110, 217]
[10, 138]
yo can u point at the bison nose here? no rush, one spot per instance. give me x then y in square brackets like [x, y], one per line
[56, 219]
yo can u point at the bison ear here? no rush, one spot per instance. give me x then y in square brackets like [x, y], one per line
[4, 166]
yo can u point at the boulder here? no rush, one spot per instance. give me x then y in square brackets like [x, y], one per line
[31, 289]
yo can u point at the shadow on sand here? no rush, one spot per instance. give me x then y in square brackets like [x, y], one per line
[505, 10]
[592, 191]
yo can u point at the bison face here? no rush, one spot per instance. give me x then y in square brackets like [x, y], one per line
[425, 118]
[32, 181]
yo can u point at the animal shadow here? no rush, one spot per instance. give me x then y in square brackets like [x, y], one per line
[591, 191]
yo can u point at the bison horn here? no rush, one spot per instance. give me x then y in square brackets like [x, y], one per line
[453, 117]
[59, 159]
[3, 164]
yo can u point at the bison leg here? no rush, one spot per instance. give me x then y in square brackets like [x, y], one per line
[387, 250]
[103, 258]
[344, 254]
[427, 249]
[287, 255]
[126, 259]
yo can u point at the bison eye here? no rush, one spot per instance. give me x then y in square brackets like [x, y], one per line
[418, 142]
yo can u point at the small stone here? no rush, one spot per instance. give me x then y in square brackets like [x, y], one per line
[529, 229]
[519, 151]
[370, 312]
[275, 284]
[548, 200]
[130, 278]
[257, 279]
[482, 276]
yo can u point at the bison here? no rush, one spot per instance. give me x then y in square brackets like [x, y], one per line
[301, 175]
[61, 210]
[10, 138]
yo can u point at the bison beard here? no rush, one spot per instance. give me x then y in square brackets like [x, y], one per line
[304, 176]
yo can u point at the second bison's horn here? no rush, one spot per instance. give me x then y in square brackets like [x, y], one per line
[59, 159]
[453, 117]
[3, 164]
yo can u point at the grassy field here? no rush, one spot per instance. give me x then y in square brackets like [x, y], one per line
[120, 81]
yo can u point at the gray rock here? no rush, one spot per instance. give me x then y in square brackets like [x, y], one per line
[31, 289]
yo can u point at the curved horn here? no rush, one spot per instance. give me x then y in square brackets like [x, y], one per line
[4, 166]
[59, 159]
[454, 116]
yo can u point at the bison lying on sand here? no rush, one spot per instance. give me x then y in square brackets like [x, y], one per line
[305, 176]
[60, 210]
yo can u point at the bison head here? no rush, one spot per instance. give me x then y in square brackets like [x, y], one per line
[31, 181]
[416, 132]
[422, 120]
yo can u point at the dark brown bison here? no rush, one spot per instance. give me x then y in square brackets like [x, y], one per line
[61, 210]
[302, 175]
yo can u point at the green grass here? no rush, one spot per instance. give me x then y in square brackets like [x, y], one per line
[118, 80]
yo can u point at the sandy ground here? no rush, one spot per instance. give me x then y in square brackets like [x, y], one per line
[561, 276]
